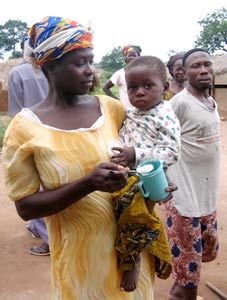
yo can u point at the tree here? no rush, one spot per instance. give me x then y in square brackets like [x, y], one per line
[11, 33]
[113, 60]
[213, 36]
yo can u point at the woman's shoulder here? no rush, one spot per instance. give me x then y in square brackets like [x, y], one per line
[111, 102]
[113, 107]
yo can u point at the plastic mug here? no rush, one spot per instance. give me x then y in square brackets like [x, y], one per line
[153, 183]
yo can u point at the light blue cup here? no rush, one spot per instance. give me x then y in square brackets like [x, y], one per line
[152, 185]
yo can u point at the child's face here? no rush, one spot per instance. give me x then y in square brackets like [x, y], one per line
[145, 87]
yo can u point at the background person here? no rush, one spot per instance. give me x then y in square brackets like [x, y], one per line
[175, 67]
[118, 78]
[27, 88]
[63, 144]
[191, 219]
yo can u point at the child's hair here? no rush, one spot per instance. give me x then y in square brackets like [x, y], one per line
[153, 62]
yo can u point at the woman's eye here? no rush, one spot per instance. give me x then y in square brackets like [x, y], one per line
[79, 63]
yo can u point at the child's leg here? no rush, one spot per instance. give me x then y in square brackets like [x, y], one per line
[137, 229]
[130, 277]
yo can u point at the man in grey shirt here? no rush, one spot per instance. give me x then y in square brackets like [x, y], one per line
[25, 88]
[191, 216]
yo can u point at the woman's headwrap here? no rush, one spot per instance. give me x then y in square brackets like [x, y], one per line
[172, 60]
[52, 37]
[130, 47]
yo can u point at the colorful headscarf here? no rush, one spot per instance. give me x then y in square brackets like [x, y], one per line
[131, 47]
[52, 37]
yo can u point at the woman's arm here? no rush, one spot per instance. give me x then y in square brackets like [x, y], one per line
[42, 204]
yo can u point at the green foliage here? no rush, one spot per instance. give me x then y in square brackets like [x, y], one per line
[113, 60]
[4, 122]
[213, 36]
[11, 34]
[16, 54]
[98, 90]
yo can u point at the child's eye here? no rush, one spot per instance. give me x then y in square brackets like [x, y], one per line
[131, 88]
[147, 85]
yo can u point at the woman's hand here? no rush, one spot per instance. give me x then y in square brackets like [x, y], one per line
[108, 177]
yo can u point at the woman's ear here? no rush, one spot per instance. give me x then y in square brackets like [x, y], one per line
[49, 68]
[166, 87]
[50, 65]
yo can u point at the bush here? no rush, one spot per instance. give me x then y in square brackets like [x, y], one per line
[103, 78]
[4, 122]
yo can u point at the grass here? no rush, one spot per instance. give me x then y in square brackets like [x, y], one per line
[102, 80]
[4, 122]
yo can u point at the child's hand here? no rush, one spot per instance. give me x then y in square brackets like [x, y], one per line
[123, 156]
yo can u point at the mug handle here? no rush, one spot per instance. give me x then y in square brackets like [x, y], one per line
[142, 190]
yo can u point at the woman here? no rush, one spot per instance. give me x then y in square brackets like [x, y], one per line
[61, 144]
[176, 70]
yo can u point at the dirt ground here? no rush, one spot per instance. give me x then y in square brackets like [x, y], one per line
[27, 277]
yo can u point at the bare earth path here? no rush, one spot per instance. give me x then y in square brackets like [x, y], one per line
[26, 277]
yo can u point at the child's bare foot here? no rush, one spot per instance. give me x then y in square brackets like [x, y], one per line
[130, 278]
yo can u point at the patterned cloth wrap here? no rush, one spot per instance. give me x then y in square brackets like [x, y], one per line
[130, 47]
[139, 228]
[52, 37]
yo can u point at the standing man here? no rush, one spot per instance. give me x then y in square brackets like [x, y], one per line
[26, 88]
[118, 78]
[191, 214]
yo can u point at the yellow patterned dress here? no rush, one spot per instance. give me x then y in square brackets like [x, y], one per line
[83, 257]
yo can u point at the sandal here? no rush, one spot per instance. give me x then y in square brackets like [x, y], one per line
[29, 230]
[42, 250]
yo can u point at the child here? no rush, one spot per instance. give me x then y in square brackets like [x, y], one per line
[150, 131]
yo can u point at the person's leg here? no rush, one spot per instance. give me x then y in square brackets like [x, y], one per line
[29, 228]
[210, 241]
[179, 292]
[130, 278]
[184, 236]
[38, 227]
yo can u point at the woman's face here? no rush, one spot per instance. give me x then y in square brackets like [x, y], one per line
[178, 70]
[74, 72]
[130, 56]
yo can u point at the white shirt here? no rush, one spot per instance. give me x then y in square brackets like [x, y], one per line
[197, 173]
[118, 79]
